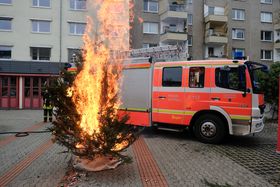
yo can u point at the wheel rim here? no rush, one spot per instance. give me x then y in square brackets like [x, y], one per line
[208, 129]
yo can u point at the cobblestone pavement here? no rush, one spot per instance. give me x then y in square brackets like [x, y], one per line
[240, 161]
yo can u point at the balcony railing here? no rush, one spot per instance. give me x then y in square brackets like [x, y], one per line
[217, 13]
[218, 34]
[178, 8]
[174, 30]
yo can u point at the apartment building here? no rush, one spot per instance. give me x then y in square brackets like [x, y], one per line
[212, 28]
[36, 37]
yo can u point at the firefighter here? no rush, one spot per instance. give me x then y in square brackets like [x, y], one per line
[47, 106]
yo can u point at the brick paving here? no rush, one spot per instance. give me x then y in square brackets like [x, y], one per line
[176, 158]
[186, 162]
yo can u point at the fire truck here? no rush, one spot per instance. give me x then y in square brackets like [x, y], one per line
[213, 98]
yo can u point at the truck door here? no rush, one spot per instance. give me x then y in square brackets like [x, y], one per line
[168, 95]
[230, 92]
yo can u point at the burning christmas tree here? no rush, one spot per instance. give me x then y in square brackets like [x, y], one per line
[87, 119]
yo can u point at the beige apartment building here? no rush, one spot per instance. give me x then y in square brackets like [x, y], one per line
[36, 38]
[212, 28]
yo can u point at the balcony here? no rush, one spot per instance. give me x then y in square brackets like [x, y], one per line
[173, 35]
[216, 18]
[277, 26]
[216, 38]
[173, 12]
[277, 44]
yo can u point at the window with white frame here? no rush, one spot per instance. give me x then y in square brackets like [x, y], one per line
[77, 28]
[190, 19]
[78, 4]
[238, 52]
[266, 17]
[150, 28]
[41, 26]
[150, 6]
[73, 54]
[40, 53]
[238, 34]
[5, 24]
[238, 14]
[41, 3]
[266, 54]
[266, 36]
[5, 52]
[266, 1]
[6, 2]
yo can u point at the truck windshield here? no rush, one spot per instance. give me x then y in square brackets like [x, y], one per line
[255, 70]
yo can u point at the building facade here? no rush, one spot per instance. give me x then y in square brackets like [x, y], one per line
[36, 38]
[213, 28]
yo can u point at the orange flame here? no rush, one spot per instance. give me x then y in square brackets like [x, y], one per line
[110, 36]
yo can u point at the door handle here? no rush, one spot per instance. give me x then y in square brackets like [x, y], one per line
[215, 98]
[161, 97]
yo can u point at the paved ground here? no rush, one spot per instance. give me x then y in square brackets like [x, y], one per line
[159, 159]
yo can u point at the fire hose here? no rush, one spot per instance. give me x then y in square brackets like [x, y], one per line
[24, 133]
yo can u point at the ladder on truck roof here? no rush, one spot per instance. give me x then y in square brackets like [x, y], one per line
[168, 52]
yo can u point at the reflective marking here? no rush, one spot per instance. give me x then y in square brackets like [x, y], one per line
[135, 109]
[167, 111]
[196, 90]
[239, 117]
[205, 65]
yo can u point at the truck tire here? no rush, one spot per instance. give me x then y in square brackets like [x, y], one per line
[209, 128]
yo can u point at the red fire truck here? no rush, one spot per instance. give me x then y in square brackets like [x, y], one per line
[212, 97]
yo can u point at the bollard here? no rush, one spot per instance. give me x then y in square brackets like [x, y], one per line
[278, 138]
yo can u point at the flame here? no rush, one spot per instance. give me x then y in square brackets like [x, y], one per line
[106, 35]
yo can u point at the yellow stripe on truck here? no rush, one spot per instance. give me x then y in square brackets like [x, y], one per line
[180, 112]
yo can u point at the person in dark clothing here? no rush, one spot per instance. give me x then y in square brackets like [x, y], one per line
[47, 106]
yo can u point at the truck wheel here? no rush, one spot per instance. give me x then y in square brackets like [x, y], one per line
[209, 128]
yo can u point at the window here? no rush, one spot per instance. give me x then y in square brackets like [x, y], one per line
[189, 1]
[27, 87]
[78, 4]
[5, 52]
[172, 77]
[6, 2]
[238, 53]
[238, 14]
[41, 26]
[266, 17]
[189, 40]
[196, 77]
[5, 86]
[5, 23]
[150, 28]
[40, 53]
[150, 6]
[266, 1]
[73, 55]
[238, 34]
[41, 3]
[148, 45]
[266, 55]
[9, 86]
[190, 19]
[231, 78]
[35, 86]
[77, 28]
[266, 36]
